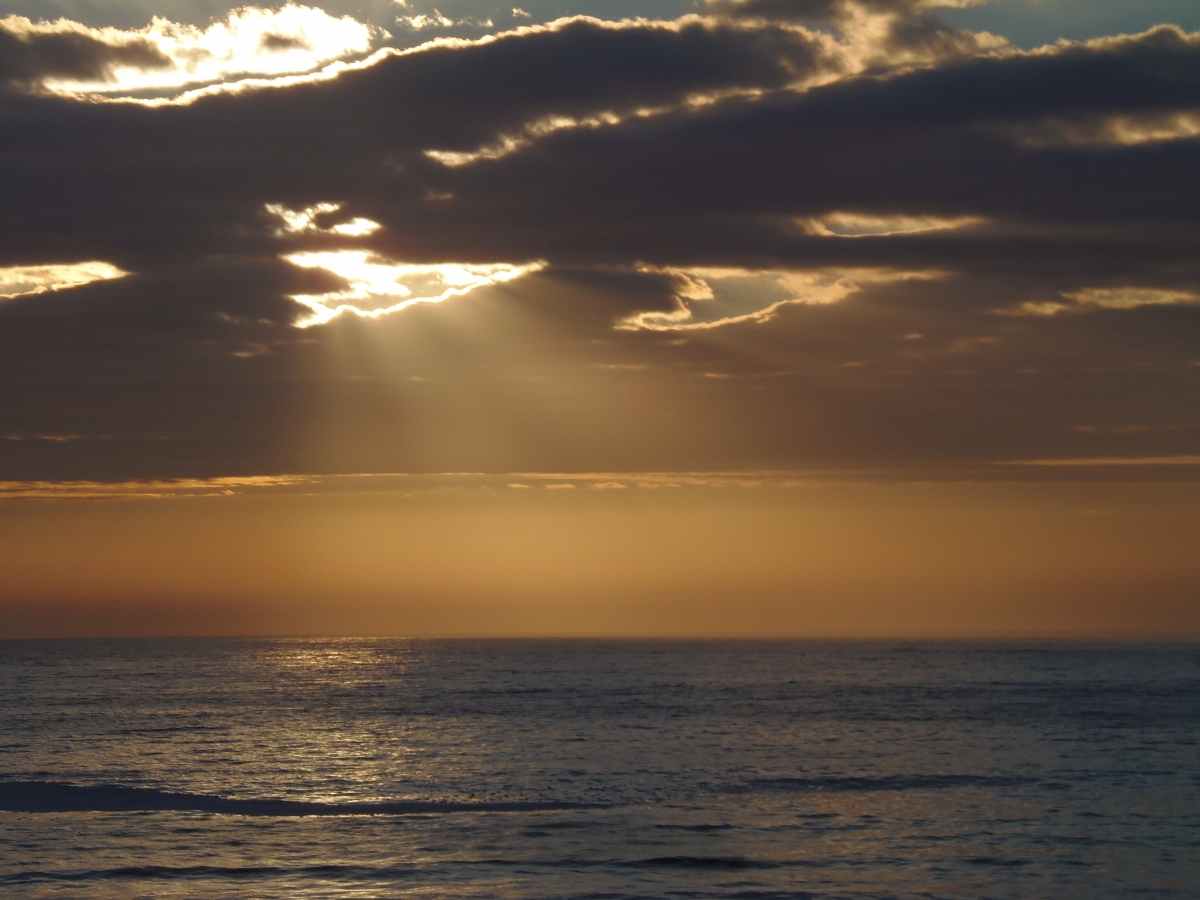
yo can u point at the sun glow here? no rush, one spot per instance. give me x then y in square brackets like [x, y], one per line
[378, 287]
[249, 41]
[18, 281]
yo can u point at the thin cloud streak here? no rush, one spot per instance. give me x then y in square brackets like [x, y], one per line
[1181, 460]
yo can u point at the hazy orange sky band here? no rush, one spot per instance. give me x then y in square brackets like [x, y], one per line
[611, 555]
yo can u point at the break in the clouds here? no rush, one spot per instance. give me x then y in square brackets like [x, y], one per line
[379, 287]
[763, 235]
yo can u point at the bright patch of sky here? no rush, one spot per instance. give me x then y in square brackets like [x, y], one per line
[1032, 23]
[379, 287]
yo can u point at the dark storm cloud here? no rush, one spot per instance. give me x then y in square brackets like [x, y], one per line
[1060, 158]
[27, 58]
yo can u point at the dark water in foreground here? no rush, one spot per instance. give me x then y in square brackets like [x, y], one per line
[356, 768]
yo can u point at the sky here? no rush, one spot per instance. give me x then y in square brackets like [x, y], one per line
[782, 318]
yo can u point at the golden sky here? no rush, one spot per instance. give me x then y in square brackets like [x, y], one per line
[613, 554]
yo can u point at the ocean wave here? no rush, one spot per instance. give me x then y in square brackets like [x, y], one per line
[995, 861]
[217, 873]
[702, 862]
[57, 797]
[359, 873]
[874, 783]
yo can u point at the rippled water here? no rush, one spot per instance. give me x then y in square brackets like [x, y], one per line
[376, 768]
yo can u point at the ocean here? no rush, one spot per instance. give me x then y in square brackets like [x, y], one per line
[339, 768]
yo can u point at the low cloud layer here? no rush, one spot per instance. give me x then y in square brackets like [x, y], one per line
[734, 241]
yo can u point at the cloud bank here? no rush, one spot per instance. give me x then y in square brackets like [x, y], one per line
[771, 236]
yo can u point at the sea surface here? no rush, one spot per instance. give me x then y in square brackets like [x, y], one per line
[395, 768]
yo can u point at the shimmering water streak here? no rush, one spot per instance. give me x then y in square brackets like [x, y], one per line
[352, 768]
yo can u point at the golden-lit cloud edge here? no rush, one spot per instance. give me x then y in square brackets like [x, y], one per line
[1092, 299]
[1184, 459]
[423, 21]
[390, 484]
[377, 286]
[695, 294]
[166, 55]
[319, 68]
[859, 52]
[380, 287]
[148, 489]
[406, 485]
[20, 281]
[257, 48]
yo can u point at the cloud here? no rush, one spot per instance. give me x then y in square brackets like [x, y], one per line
[372, 281]
[1131, 298]
[307, 221]
[877, 32]
[33, 54]
[386, 484]
[830, 9]
[919, 156]
[1106, 298]
[745, 296]
[1180, 460]
[142, 490]
[17, 281]
[853, 225]
[68, 58]
[723, 196]
[437, 20]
